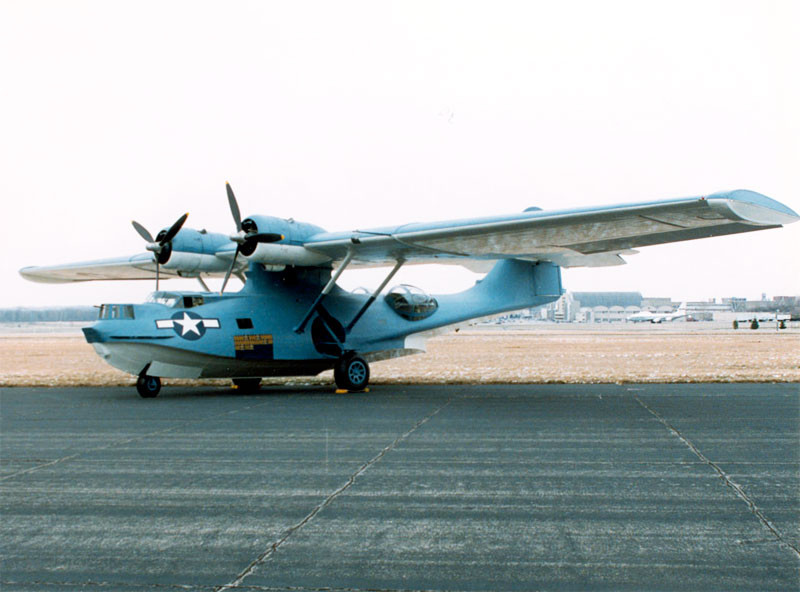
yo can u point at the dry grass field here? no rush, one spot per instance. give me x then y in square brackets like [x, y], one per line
[680, 353]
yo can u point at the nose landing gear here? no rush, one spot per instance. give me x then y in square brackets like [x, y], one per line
[148, 386]
[351, 372]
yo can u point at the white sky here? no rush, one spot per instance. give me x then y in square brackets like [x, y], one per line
[363, 114]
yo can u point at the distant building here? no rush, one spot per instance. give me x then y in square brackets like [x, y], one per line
[654, 304]
[735, 303]
[564, 309]
[760, 306]
[617, 307]
[786, 303]
[605, 307]
[707, 310]
[592, 299]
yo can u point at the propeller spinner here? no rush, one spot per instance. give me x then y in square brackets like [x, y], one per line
[161, 246]
[247, 236]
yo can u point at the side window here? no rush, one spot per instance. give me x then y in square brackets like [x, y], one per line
[116, 311]
[244, 323]
[191, 301]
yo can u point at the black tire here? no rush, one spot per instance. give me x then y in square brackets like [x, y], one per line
[247, 385]
[754, 324]
[148, 386]
[735, 324]
[351, 373]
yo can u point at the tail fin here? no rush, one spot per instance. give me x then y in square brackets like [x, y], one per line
[513, 284]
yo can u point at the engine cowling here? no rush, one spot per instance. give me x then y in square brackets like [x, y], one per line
[288, 251]
[194, 251]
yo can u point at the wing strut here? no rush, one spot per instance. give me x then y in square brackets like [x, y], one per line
[375, 294]
[328, 287]
[202, 283]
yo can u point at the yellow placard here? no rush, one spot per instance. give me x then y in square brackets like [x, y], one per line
[249, 342]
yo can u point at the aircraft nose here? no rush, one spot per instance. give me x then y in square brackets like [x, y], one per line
[92, 335]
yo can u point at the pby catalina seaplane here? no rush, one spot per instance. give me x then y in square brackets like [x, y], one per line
[291, 318]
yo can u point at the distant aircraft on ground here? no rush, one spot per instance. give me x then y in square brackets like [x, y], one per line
[658, 317]
[291, 318]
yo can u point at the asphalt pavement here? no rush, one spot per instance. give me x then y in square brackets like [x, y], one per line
[491, 487]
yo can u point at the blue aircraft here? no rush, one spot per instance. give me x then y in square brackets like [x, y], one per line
[291, 318]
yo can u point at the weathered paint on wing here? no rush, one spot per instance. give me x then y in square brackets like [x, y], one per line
[578, 237]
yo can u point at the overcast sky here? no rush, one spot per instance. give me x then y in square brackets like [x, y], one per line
[354, 115]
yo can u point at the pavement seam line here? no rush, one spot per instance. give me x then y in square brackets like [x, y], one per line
[737, 489]
[251, 569]
[120, 442]
[198, 587]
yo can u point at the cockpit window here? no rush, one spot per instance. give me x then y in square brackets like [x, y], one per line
[411, 303]
[164, 298]
[116, 311]
[177, 300]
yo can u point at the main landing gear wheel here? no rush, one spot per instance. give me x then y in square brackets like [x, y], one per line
[247, 385]
[351, 373]
[148, 386]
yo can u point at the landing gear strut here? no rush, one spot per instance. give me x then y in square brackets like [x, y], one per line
[148, 386]
[351, 372]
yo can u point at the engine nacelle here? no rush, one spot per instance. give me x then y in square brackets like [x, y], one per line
[192, 263]
[281, 254]
[193, 252]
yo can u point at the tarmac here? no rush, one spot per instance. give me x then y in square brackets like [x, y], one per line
[491, 487]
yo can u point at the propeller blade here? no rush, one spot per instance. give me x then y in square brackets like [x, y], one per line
[142, 231]
[173, 230]
[237, 216]
[230, 269]
[251, 241]
[266, 237]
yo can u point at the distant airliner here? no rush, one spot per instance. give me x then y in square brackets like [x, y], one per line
[658, 317]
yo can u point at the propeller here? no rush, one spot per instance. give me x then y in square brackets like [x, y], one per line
[247, 237]
[161, 246]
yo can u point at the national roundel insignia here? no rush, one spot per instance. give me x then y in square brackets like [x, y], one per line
[188, 325]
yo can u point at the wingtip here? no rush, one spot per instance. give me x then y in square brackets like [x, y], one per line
[755, 207]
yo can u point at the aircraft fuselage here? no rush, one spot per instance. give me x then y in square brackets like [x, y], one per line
[254, 332]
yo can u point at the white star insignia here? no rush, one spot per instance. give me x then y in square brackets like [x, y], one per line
[188, 324]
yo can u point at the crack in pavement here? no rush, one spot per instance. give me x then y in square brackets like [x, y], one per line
[126, 441]
[737, 489]
[251, 569]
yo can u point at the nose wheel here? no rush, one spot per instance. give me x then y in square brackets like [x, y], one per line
[351, 372]
[148, 386]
